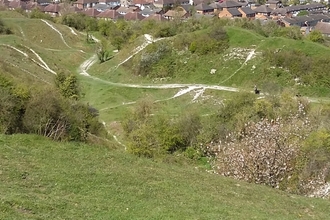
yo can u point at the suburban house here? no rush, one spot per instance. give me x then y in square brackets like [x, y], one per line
[124, 10]
[274, 4]
[112, 3]
[216, 7]
[324, 28]
[178, 12]
[147, 11]
[142, 3]
[230, 9]
[91, 12]
[4, 3]
[263, 12]
[133, 16]
[292, 11]
[26, 6]
[156, 17]
[247, 12]
[109, 14]
[307, 21]
[82, 4]
[203, 8]
[52, 9]
[170, 3]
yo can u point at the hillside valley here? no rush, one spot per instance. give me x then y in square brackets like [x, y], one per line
[214, 118]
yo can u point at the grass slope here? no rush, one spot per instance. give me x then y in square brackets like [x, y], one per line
[60, 54]
[40, 179]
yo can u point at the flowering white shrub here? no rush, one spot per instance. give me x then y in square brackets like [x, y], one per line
[264, 152]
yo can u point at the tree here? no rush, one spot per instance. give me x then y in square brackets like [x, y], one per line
[103, 53]
[68, 86]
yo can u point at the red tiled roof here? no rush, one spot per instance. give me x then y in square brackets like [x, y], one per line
[54, 8]
[109, 13]
[91, 12]
[156, 17]
[132, 16]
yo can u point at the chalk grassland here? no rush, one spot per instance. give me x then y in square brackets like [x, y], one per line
[40, 179]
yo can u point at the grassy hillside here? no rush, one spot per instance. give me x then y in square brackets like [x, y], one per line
[35, 45]
[40, 179]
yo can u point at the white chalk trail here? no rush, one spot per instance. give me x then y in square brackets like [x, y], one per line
[198, 94]
[21, 30]
[52, 27]
[148, 40]
[14, 48]
[83, 68]
[185, 91]
[249, 57]
[72, 31]
[28, 72]
[114, 136]
[44, 64]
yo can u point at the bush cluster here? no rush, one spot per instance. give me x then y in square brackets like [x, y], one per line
[54, 113]
[311, 70]
[153, 136]
[4, 29]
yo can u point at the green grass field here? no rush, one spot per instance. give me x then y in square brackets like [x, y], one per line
[40, 179]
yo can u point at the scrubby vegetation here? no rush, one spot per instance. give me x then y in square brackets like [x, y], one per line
[277, 139]
[50, 112]
[4, 29]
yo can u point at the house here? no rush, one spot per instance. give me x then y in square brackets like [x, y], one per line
[133, 16]
[155, 17]
[197, 2]
[230, 9]
[109, 14]
[263, 12]
[230, 4]
[301, 21]
[103, 7]
[324, 28]
[4, 3]
[91, 12]
[216, 7]
[164, 3]
[176, 13]
[169, 3]
[274, 4]
[52, 9]
[292, 11]
[43, 2]
[147, 11]
[112, 3]
[142, 3]
[203, 8]
[247, 12]
[26, 6]
[202, 16]
[82, 4]
[124, 10]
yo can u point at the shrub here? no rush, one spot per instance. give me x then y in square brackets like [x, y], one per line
[4, 29]
[316, 36]
[263, 153]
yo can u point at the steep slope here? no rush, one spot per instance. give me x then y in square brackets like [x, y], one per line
[40, 179]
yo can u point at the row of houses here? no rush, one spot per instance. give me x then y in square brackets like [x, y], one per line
[149, 9]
